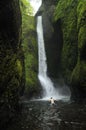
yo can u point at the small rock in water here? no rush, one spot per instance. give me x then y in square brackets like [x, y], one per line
[59, 120]
[49, 124]
[30, 109]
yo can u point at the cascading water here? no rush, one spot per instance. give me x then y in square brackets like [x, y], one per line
[47, 84]
[45, 81]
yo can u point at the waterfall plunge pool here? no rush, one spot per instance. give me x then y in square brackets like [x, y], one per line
[40, 115]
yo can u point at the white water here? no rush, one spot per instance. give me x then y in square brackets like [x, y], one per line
[46, 83]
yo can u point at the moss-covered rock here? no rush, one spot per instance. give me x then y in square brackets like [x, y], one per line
[29, 43]
[67, 13]
[79, 72]
[11, 60]
[73, 60]
[79, 81]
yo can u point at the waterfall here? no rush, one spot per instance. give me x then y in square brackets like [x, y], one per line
[46, 83]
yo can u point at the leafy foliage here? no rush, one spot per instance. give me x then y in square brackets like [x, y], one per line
[26, 8]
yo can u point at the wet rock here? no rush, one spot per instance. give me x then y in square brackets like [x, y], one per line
[30, 109]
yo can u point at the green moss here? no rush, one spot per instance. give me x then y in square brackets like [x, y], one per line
[76, 73]
[73, 60]
[19, 67]
[10, 72]
[79, 75]
[62, 7]
[31, 66]
[66, 12]
[10, 78]
[81, 25]
[29, 44]
[82, 37]
[26, 8]
[81, 12]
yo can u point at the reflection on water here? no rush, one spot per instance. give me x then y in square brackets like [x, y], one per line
[40, 115]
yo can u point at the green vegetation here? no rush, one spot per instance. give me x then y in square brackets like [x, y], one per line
[81, 25]
[26, 7]
[29, 44]
[79, 73]
[11, 75]
[73, 60]
[66, 11]
[11, 61]
[62, 8]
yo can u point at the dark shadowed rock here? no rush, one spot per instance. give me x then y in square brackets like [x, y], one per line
[11, 60]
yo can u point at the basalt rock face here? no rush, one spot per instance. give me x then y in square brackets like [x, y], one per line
[11, 59]
[29, 44]
[78, 79]
[73, 60]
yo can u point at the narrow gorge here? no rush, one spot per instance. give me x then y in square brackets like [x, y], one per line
[42, 55]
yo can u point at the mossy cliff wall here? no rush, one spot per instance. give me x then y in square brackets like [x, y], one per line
[31, 58]
[29, 44]
[11, 59]
[73, 60]
[78, 79]
[66, 13]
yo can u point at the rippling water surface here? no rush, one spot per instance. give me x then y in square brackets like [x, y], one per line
[40, 115]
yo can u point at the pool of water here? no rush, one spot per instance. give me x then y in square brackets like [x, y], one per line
[40, 115]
